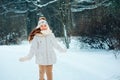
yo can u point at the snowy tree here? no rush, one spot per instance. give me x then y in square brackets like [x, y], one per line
[29, 9]
[65, 19]
[97, 21]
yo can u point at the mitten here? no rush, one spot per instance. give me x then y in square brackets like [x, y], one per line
[22, 59]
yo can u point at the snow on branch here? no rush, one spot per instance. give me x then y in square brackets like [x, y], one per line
[5, 8]
[86, 7]
[13, 2]
[43, 5]
[15, 11]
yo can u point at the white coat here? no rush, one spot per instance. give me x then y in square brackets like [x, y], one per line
[43, 49]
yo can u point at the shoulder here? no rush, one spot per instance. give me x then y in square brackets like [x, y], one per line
[34, 39]
[38, 35]
[52, 35]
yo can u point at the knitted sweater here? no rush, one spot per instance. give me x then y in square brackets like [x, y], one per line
[43, 49]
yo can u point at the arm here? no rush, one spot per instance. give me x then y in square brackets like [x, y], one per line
[56, 45]
[32, 50]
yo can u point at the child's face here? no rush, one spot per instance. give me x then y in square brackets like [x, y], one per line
[43, 27]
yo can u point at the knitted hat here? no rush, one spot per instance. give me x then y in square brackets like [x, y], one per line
[42, 22]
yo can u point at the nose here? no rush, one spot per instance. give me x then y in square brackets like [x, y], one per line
[43, 27]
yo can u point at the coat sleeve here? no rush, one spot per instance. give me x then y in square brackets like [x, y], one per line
[33, 48]
[56, 45]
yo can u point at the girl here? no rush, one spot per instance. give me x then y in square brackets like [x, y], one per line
[43, 43]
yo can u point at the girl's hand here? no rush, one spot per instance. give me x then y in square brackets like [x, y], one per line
[22, 59]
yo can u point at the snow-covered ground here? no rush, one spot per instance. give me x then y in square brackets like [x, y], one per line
[76, 64]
